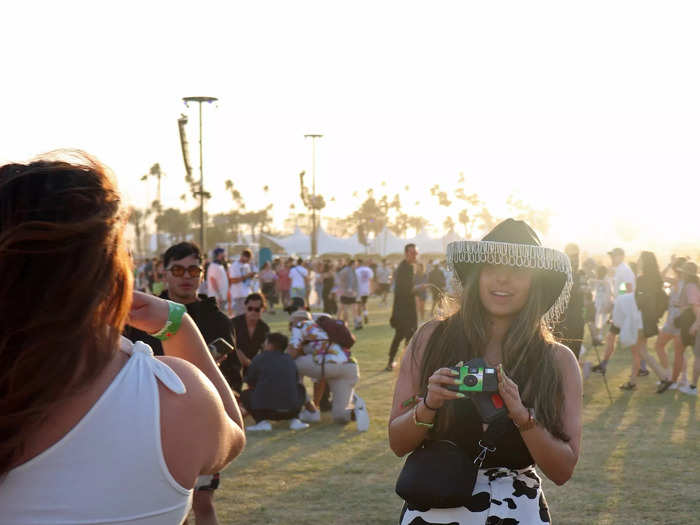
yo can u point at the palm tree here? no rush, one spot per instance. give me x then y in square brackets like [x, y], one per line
[156, 173]
[464, 220]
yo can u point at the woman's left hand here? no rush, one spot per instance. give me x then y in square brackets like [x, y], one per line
[510, 393]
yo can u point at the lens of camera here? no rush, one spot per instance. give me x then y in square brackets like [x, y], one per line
[470, 380]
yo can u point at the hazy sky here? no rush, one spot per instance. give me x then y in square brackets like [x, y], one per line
[590, 109]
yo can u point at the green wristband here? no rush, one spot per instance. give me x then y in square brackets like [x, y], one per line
[175, 313]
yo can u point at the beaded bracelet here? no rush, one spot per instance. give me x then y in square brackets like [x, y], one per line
[176, 312]
[421, 423]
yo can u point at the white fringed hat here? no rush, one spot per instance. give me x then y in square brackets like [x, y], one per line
[514, 243]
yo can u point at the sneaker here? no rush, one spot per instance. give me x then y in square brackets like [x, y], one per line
[310, 417]
[628, 386]
[361, 415]
[263, 426]
[690, 390]
[673, 386]
[390, 367]
[296, 424]
[600, 367]
[665, 385]
[643, 373]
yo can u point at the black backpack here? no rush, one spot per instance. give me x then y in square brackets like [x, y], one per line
[338, 332]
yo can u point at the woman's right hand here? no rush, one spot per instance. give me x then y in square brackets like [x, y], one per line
[148, 312]
[437, 393]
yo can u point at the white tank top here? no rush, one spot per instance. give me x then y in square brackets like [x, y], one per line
[109, 468]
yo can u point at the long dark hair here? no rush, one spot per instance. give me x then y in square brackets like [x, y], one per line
[528, 352]
[649, 267]
[65, 290]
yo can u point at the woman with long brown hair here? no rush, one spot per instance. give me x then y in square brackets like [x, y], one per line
[513, 288]
[93, 428]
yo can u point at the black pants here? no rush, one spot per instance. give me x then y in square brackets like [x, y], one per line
[401, 333]
[276, 414]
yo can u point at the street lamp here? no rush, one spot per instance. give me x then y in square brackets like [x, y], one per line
[199, 100]
[314, 240]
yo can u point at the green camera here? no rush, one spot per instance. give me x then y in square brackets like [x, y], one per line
[476, 376]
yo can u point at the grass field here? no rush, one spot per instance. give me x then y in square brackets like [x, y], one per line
[639, 465]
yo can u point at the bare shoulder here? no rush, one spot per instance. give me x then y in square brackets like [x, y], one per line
[566, 360]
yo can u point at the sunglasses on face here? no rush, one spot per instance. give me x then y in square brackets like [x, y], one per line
[254, 309]
[178, 270]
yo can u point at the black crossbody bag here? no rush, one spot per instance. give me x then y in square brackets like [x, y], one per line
[440, 475]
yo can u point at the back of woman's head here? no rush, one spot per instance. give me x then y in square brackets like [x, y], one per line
[66, 287]
[648, 266]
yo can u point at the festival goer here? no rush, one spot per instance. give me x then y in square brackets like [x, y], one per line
[603, 303]
[158, 278]
[284, 282]
[623, 283]
[217, 279]
[330, 306]
[101, 410]
[436, 280]
[364, 281]
[687, 320]
[420, 290]
[274, 391]
[503, 316]
[651, 301]
[183, 274]
[299, 279]
[404, 318]
[383, 276]
[348, 291]
[249, 333]
[268, 284]
[239, 277]
[319, 358]
[570, 330]
[669, 331]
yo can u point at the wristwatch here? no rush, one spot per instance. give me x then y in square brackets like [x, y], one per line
[530, 423]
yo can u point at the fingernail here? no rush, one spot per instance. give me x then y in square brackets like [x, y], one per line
[459, 394]
[458, 381]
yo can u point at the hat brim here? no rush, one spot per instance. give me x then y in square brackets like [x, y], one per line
[553, 266]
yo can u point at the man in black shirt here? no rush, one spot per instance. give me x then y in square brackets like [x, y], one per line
[183, 275]
[249, 333]
[404, 318]
[275, 392]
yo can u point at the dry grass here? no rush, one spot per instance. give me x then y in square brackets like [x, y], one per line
[639, 463]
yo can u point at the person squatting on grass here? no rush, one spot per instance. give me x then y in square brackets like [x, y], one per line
[512, 289]
[78, 401]
[318, 358]
[274, 391]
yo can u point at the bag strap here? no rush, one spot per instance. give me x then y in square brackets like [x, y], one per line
[487, 443]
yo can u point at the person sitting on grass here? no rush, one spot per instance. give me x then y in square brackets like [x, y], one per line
[274, 391]
[319, 358]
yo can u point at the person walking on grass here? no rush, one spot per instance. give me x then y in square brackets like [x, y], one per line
[383, 276]
[404, 317]
[502, 318]
[348, 289]
[651, 302]
[364, 276]
[688, 322]
[623, 283]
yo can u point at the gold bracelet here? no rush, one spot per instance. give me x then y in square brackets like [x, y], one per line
[420, 423]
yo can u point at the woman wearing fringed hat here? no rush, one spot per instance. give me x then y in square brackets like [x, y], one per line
[474, 443]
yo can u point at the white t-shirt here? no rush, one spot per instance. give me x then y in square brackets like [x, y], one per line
[298, 274]
[217, 280]
[364, 279]
[623, 274]
[240, 289]
[383, 275]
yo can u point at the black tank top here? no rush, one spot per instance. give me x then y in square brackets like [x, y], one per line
[511, 451]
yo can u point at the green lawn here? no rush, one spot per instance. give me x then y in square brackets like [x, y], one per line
[639, 463]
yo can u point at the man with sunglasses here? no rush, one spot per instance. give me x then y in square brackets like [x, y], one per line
[249, 332]
[183, 275]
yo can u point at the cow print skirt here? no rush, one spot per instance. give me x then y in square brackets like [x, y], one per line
[501, 496]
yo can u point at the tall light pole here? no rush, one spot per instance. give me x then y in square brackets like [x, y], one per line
[314, 240]
[199, 100]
